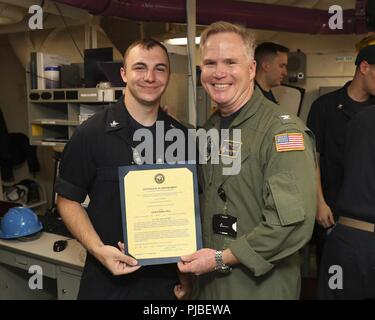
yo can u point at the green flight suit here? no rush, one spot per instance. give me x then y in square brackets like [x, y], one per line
[274, 200]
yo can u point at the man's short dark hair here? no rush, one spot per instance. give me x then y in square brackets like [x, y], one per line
[267, 49]
[366, 54]
[147, 43]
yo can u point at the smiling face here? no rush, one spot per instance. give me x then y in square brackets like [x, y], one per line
[146, 75]
[227, 71]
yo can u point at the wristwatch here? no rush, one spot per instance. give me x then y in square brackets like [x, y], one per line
[220, 265]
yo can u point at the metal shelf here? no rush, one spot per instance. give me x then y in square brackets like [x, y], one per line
[56, 122]
[56, 113]
[47, 143]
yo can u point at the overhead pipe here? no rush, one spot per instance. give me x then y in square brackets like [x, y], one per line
[252, 15]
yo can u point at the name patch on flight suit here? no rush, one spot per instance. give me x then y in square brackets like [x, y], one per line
[289, 142]
[230, 148]
[224, 224]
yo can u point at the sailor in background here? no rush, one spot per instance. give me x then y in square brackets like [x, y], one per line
[272, 61]
[348, 261]
[328, 119]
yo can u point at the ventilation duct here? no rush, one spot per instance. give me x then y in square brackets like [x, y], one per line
[252, 15]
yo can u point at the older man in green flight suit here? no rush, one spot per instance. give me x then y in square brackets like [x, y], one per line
[256, 219]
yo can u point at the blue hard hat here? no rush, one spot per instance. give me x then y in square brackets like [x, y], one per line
[19, 222]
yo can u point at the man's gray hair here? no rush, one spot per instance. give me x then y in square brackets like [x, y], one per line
[222, 27]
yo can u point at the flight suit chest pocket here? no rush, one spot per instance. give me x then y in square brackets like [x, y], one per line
[286, 199]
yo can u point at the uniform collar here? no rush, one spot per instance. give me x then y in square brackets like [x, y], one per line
[120, 122]
[256, 84]
[344, 104]
[118, 117]
[247, 111]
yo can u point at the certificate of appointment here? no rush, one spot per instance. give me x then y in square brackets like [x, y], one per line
[160, 211]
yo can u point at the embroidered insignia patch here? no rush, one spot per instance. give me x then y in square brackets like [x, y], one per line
[289, 142]
[114, 124]
[230, 148]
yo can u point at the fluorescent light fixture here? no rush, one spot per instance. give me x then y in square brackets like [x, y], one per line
[181, 41]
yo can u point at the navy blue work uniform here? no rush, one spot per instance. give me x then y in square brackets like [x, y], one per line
[351, 245]
[89, 166]
[268, 94]
[328, 119]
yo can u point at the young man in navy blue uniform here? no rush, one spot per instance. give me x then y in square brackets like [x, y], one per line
[272, 62]
[89, 167]
[328, 119]
[349, 252]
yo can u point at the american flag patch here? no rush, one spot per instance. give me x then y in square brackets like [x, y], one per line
[289, 142]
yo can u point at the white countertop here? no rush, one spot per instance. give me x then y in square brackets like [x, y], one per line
[42, 246]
